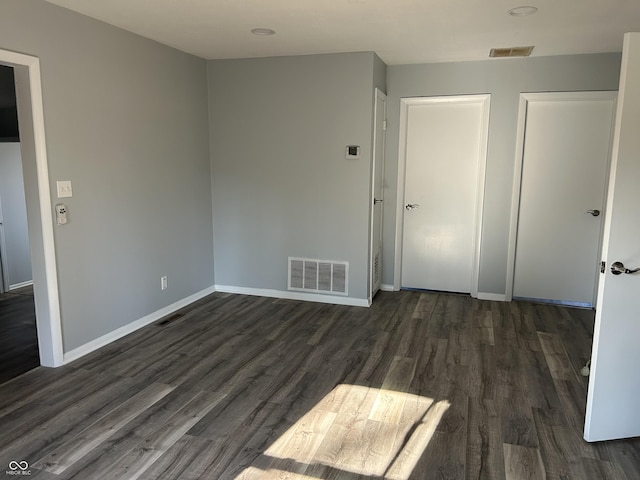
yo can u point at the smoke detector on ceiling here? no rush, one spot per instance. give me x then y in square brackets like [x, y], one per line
[511, 52]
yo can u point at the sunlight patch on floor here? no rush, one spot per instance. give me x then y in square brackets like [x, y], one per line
[355, 429]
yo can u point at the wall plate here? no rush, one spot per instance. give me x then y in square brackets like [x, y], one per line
[353, 151]
[64, 188]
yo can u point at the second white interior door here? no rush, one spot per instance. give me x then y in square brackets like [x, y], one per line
[444, 154]
[566, 144]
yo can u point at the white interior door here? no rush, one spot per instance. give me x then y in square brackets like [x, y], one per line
[377, 188]
[444, 160]
[614, 385]
[565, 157]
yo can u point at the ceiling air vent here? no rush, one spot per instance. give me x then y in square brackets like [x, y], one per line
[511, 52]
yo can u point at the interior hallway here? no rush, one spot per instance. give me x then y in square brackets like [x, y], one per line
[18, 334]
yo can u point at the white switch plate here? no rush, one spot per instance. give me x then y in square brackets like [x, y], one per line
[64, 188]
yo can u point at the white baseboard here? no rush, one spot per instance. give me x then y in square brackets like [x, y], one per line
[16, 286]
[289, 295]
[496, 297]
[387, 288]
[110, 337]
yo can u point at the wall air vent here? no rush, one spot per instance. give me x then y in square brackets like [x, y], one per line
[318, 276]
[511, 52]
[376, 268]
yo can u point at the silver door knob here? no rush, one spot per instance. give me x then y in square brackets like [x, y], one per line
[595, 213]
[411, 206]
[618, 267]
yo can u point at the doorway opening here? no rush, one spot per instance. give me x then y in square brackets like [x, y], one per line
[33, 153]
[19, 339]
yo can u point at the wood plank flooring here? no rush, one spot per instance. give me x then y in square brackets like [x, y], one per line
[18, 335]
[419, 386]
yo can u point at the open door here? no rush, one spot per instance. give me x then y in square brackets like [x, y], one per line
[614, 386]
[377, 187]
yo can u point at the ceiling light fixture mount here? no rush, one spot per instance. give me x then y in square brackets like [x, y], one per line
[263, 32]
[523, 11]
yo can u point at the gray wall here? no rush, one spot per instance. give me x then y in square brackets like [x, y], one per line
[14, 214]
[379, 74]
[126, 122]
[504, 79]
[281, 184]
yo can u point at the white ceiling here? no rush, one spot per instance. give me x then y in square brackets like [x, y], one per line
[400, 31]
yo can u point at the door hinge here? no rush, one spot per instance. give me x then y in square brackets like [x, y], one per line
[384, 125]
[603, 266]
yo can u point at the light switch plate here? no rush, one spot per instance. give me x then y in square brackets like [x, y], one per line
[64, 188]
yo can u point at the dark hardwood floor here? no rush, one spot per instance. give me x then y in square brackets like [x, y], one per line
[419, 386]
[18, 335]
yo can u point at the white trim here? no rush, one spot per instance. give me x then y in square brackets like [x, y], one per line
[307, 297]
[110, 337]
[405, 103]
[51, 268]
[525, 99]
[377, 94]
[481, 181]
[20, 285]
[387, 288]
[402, 153]
[494, 297]
[515, 196]
[4, 266]
[49, 336]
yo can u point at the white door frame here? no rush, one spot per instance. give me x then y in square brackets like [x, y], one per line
[48, 318]
[405, 103]
[377, 96]
[525, 99]
[4, 268]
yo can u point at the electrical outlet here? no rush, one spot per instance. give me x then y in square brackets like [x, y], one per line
[163, 283]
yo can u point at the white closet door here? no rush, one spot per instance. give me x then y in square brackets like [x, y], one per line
[445, 155]
[567, 140]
